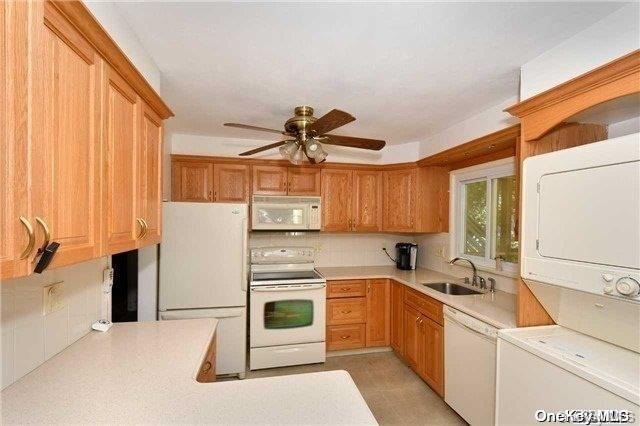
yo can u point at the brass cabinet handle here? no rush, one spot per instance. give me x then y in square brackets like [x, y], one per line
[47, 234]
[345, 337]
[420, 322]
[345, 288]
[417, 318]
[32, 238]
[210, 195]
[146, 227]
[141, 223]
[345, 312]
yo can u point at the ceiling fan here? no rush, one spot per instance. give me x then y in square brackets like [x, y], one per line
[307, 133]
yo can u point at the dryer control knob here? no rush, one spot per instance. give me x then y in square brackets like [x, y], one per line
[607, 277]
[608, 289]
[628, 286]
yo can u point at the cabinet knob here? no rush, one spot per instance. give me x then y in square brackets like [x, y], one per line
[345, 312]
[345, 288]
[345, 337]
[210, 195]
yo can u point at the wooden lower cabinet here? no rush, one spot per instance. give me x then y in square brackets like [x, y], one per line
[358, 313]
[207, 372]
[378, 313]
[423, 339]
[432, 342]
[397, 308]
[349, 336]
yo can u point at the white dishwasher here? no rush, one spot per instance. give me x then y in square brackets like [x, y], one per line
[470, 367]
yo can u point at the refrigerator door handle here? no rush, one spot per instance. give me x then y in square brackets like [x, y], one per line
[245, 243]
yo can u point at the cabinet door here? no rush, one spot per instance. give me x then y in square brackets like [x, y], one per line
[378, 313]
[66, 149]
[150, 175]
[14, 141]
[432, 341]
[192, 181]
[121, 141]
[336, 200]
[303, 181]
[397, 307]
[230, 183]
[399, 190]
[412, 337]
[367, 200]
[270, 180]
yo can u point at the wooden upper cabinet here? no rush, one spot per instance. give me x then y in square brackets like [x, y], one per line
[432, 200]
[150, 175]
[65, 143]
[121, 141]
[367, 200]
[432, 340]
[270, 180]
[192, 181]
[378, 312]
[14, 145]
[399, 192]
[231, 183]
[336, 199]
[397, 308]
[303, 181]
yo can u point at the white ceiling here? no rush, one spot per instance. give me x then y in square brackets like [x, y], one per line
[404, 70]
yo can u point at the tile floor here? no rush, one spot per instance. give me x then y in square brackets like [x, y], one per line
[394, 393]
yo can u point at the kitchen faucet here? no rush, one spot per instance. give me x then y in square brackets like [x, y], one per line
[476, 279]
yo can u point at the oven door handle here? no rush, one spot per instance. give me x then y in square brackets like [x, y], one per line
[268, 289]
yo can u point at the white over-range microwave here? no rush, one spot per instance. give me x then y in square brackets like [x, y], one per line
[285, 213]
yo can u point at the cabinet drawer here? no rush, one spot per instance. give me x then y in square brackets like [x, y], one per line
[425, 304]
[346, 288]
[346, 311]
[345, 336]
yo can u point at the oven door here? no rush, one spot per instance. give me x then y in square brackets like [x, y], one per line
[287, 314]
[274, 216]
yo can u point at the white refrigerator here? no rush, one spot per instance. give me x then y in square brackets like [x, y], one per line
[203, 273]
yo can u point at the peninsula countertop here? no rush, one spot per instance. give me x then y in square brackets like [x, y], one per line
[145, 373]
[497, 309]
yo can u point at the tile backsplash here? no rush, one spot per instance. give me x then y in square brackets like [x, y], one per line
[336, 249]
[428, 257]
[28, 336]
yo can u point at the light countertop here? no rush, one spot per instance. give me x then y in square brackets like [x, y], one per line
[497, 309]
[145, 373]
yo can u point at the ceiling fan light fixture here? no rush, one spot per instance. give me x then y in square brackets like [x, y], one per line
[288, 150]
[314, 150]
[298, 157]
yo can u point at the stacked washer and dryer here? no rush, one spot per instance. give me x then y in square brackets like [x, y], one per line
[581, 259]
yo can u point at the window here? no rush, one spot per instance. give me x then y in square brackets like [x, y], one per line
[484, 214]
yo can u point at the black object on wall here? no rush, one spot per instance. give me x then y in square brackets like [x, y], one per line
[124, 295]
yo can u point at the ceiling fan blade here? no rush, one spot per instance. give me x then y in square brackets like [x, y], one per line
[362, 143]
[260, 129]
[331, 120]
[263, 148]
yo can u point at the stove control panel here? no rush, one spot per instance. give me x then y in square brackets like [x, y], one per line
[274, 255]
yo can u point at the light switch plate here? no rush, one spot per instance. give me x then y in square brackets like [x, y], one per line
[53, 298]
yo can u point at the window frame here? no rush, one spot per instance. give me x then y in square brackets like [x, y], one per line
[478, 173]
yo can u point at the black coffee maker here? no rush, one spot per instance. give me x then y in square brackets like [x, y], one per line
[406, 255]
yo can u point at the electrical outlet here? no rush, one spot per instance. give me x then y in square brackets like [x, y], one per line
[53, 298]
[107, 280]
[440, 251]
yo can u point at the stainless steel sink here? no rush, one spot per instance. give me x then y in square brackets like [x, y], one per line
[452, 289]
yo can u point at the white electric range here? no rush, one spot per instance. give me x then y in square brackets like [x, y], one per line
[287, 308]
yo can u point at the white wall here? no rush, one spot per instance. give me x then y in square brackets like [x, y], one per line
[608, 39]
[430, 245]
[106, 12]
[228, 147]
[28, 337]
[336, 249]
[488, 121]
